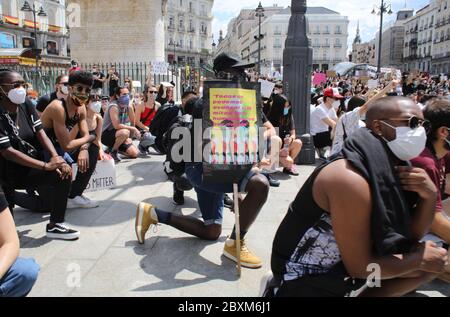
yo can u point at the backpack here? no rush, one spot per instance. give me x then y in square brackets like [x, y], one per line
[175, 167]
[164, 119]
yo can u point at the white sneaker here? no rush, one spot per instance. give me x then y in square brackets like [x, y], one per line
[81, 202]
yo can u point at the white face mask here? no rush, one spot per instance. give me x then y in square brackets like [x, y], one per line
[17, 95]
[409, 143]
[96, 106]
[64, 90]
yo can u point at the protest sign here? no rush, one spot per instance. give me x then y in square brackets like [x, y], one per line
[364, 79]
[160, 68]
[266, 88]
[372, 84]
[319, 78]
[104, 176]
[231, 121]
[331, 73]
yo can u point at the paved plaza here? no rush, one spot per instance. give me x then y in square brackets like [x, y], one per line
[108, 261]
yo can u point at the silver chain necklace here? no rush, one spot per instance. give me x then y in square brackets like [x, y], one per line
[12, 123]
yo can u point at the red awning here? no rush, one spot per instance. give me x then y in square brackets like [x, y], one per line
[30, 24]
[54, 28]
[11, 20]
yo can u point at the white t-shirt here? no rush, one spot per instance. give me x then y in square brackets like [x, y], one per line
[318, 115]
[352, 122]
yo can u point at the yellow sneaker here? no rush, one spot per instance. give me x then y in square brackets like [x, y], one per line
[248, 259]
[145, 217]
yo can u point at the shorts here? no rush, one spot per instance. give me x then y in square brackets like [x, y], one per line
[322, 140]
[210, 195]
[109, 138]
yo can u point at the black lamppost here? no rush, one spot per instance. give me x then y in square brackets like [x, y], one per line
[297, 61]
[259, 14]
[27, 8]
[381, 10]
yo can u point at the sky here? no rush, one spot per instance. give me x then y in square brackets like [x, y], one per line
[225, 10]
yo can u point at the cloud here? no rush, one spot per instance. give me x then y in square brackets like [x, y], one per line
[355, 10]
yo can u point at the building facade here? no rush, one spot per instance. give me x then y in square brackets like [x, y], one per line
[362, 53]
[441, 43]
[327, 31]
[188, 26]
[419, 40]
[117, 31]
[17, 29]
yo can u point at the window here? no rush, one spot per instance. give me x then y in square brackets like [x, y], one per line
[327, 29]
[338, 29]
[181, 23]
[7, 40]
[52, 48]
[171, 22]
[191, 45]
[191, 7]
[317, 29]
[27, 42]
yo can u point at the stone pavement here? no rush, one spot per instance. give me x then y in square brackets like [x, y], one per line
[108, 261]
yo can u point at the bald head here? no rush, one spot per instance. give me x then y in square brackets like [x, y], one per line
[392, 107]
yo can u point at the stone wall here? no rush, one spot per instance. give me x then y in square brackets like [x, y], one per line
[119, 31]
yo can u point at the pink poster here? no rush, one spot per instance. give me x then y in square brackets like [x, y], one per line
[319, 78]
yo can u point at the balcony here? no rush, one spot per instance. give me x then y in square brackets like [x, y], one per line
[326, 32]
[316, 32]
[277, 33]
[191, 30]
[337, 45]
[338, 32]
[326, 45]
[316, 46]
[171, 27]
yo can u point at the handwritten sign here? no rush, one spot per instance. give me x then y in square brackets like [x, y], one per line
[319, 78]
[266, 88]
[104, 176]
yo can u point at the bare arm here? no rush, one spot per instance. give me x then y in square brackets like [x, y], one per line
[46, 143]
[114, 115]
[329, 122]
[63, 136]
[381, 94]
[9, 242]
[347, 195]
[138, 122]
[441, 227]
[98, 131]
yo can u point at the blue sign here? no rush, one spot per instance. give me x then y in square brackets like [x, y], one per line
[6, 40]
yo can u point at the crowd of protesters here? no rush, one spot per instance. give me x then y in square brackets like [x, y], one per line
[362, 134]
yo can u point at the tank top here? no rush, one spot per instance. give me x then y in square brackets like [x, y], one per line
[147, 116]
[305, 243]
[70, 123]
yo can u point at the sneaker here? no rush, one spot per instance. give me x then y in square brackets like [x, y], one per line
[145, 217]
[228, 202]
[178, 196]
[81, 202]
[292, 171]
[62, 232]
[115, 156]
[143, 150]
[248, 259]
[272, 181]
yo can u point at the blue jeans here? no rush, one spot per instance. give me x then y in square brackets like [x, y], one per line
[210, 195]
[20, 278]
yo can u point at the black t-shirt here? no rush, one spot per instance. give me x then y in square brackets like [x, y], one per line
[97, 83]
[44, 101]
[29, 123]
[113, 83]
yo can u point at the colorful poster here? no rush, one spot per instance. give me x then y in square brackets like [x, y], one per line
[319, 78]
[231, 126]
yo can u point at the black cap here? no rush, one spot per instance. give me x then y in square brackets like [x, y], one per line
[226, 61]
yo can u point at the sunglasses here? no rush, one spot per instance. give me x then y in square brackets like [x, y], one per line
[95, 98]
[413, 122]
[64, 84]
[153, 92]
[17, 85]
[81, 89]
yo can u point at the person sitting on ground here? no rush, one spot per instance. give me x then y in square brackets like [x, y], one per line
[433, 161]
[281, 117]
[61, 92]
[318, 252]
[211, 195]
[65, 123]
[118, 126]
[95, 122]
[21, 137]
[323, 120]
[145, 113]
[352, 120]
[17, 275]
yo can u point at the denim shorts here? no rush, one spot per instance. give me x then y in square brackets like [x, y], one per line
[210, 195]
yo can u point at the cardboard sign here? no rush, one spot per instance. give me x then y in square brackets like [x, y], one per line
[372, 84]
[319, 78]
[266, 88]
[331, 73]
[231, 121]
[104, 176]
[364, 79]
[160, 68]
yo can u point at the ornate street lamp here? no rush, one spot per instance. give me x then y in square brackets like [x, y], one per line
[381, 10]
[27, 8]
[259, 14]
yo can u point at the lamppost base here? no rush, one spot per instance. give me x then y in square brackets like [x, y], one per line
[307, 155]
